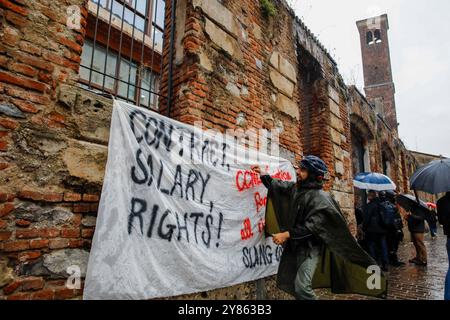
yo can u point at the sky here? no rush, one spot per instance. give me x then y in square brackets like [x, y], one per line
[419, 38]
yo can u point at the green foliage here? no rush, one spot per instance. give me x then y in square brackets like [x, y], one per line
[268, 8]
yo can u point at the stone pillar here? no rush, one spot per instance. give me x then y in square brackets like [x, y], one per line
[340, 161]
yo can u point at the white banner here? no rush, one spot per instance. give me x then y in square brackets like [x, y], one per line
[180, 211]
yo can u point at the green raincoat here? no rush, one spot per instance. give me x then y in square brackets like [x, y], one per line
[343, 266]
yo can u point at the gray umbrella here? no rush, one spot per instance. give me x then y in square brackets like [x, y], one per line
[409, 203]
[432, 178]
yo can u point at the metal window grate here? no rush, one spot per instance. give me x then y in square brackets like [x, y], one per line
[122, 53]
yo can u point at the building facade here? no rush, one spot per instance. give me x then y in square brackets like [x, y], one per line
[229, 64]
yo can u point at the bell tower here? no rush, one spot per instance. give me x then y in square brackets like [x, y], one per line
[378, 81]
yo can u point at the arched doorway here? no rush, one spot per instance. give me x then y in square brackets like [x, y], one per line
[358, 164]
[361, 137]
[387, 161]
[311, 82]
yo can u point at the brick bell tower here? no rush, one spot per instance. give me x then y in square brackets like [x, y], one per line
[378, 81]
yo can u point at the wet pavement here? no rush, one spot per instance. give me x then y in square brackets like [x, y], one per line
[411, 282]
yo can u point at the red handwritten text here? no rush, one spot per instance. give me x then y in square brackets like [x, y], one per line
[248, 179]
[247, 233]
[260, 202]
[261, 225]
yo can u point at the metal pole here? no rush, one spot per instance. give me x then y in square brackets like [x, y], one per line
[417, 196]
[261, 293]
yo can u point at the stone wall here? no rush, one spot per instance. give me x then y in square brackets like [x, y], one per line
[380, 139]
[234, 68]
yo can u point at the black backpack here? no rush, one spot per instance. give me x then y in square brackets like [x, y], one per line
[388, 214]
[379, 218]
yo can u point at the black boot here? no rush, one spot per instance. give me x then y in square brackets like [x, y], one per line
[393, 258]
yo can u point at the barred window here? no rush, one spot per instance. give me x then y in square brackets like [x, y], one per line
[122, 53]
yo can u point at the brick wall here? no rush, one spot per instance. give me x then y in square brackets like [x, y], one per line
[227, 66]
[231, 63]
[381, 138]
[51, 170]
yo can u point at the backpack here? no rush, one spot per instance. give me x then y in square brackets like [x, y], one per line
[387, 214]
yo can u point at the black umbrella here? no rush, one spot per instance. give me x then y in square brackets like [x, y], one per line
[409, 203]
[432, 178]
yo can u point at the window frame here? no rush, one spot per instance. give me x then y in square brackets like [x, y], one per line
[120, 55]
[115, 91]
[148, 16]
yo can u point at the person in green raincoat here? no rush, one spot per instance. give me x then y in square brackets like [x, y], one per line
[319, 250]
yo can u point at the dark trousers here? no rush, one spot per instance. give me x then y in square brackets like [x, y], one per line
[433, 229]
[393, 242]
[377, 245]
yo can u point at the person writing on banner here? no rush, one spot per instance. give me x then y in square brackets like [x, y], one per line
[319, 249]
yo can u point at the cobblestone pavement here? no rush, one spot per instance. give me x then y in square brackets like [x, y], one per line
[411, 282]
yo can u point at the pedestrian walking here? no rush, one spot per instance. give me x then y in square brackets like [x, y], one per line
[375, 229]
[319, 249]
[432, 222]
[443, 212]
[394, 228]
[416, 226]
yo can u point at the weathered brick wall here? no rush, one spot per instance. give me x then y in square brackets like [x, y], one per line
[53, 150]
[234, 68]
[54, 139]
[380, 137]
[327, 122]
[227, 68]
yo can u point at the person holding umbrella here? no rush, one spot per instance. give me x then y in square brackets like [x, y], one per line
[375, 229]
[443, 211]
[434, 178]
[417, 214]
[433, 220]
[432, 223]
[375, 223]
[395, 226]
[416, 226]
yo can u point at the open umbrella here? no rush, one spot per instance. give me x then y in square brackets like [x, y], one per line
[432, 178]
[409, 203]
[374, 181]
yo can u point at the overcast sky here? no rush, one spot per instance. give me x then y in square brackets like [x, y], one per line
[419, 37]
